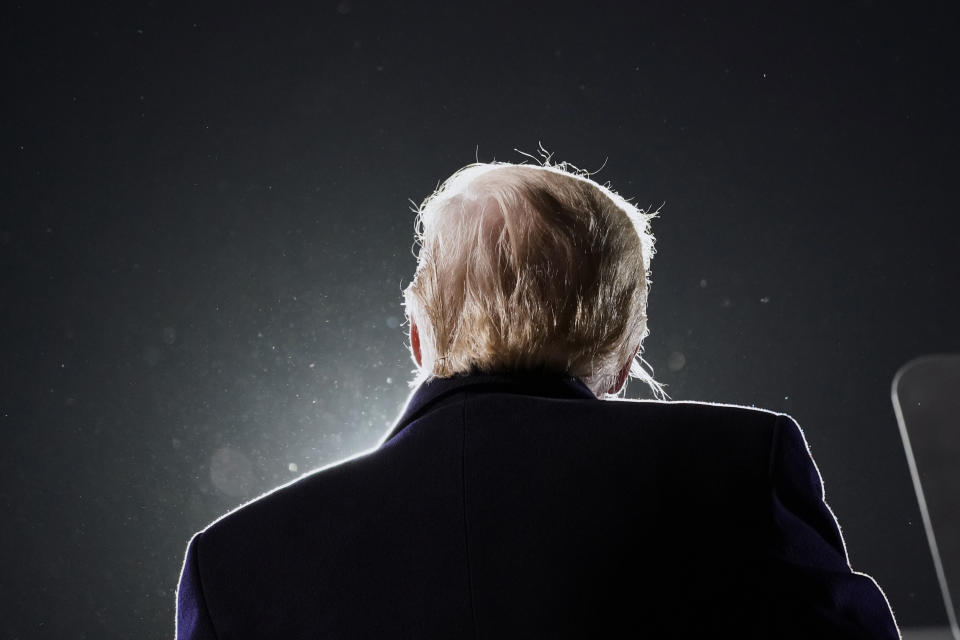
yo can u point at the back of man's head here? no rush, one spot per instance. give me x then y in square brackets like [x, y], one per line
[530, 268]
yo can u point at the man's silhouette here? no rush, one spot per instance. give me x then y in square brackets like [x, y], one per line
[517, 496]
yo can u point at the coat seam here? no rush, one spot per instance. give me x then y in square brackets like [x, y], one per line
[466, 529]
[203, 595]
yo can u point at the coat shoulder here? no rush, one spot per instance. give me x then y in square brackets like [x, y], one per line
[689, 418]
[268, 515]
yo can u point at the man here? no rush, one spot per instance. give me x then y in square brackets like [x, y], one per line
[509, 500]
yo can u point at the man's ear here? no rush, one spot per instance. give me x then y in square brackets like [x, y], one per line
[624, 372]
[415, 342]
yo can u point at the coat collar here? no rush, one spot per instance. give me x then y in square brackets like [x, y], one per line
[535, 384]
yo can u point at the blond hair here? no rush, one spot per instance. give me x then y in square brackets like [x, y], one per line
[530, 268]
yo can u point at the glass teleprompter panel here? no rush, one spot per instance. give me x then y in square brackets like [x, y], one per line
[926, 399]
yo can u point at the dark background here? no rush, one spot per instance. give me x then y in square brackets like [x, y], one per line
[206, 230]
